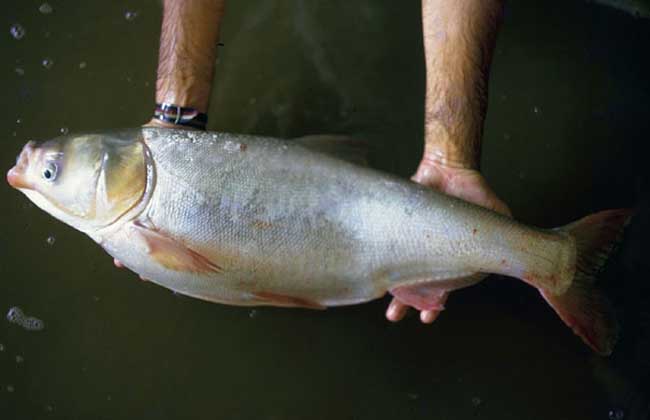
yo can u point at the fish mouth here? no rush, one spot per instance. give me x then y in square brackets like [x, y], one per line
[17, 176]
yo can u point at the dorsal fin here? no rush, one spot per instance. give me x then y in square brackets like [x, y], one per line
[341, 147]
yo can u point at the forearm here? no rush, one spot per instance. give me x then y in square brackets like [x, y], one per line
[459, 37]
[188, 50]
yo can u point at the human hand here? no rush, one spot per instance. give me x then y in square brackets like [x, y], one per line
[466, 184]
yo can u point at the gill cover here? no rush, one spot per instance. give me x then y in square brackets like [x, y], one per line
[122, 178]
[101, 176]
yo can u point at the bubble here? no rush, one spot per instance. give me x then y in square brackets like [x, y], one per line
[252, 313]
[17, 31]
[476, 401]
[47, 63]
[130, 15]
[18, 121]
[10, 388]
[49, 408]
[19, 359]
[30, 323]
[616, 414]
[33, 324]
[19, 71]
[50, 240]
[537, 109]
[82, 65]
[2, 347]
[15, 315]
[64, 130]
[413, 396]
[45, 8]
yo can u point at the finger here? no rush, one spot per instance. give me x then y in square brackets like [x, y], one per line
[118, 263]
[427, 317]
[396, 311]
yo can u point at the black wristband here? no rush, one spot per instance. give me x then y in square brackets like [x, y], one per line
[174, 114]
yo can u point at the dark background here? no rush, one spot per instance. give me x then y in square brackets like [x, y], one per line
[566, 135]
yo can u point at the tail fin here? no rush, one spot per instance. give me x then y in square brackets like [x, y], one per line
[583, 306]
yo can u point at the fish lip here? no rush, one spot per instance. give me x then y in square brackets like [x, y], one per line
[16, 177]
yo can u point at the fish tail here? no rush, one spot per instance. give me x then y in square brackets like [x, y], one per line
[583, 306]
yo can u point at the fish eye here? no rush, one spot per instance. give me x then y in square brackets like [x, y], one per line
[50, 171]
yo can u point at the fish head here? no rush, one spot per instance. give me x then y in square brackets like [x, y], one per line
[87, 181]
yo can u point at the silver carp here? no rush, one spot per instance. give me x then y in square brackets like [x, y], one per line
[248, 220]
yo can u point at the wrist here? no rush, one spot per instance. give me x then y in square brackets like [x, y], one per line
[450, 154]
[187, 92]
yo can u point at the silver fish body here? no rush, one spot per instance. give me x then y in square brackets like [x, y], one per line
[280, 219]
[248, 220]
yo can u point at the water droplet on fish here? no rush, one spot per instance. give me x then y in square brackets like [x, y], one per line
[130, 16]
[476, 401]
[231, 146]
[17, 31]
[50, 240]
[45, 8]
[47, 63]
[64, 130]
[20, 359]
[616, 414]
[19, 71]
[82, 65]
[10, 388]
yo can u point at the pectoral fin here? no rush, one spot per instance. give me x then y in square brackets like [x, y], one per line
[173, 254]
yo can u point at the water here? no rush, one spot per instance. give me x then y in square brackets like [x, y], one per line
[119, 348]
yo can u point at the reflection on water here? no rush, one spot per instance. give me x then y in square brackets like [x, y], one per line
[565, 136]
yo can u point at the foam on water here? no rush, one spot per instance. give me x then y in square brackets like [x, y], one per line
[17, 31]
[45, 8]
[30, 323]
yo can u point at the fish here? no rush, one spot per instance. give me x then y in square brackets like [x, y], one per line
[640, 9]
[249, 220]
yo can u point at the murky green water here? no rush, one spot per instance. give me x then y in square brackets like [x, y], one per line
[566, 133]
